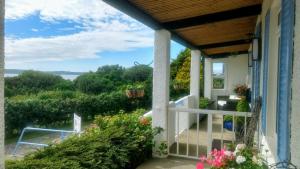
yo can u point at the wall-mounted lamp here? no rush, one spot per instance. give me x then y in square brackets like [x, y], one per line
[255, 49]
[250, 59]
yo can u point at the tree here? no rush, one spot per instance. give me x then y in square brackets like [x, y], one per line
[138, 73]
[31, 82]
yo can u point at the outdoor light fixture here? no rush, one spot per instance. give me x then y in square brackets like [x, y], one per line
[250, 59]
[255, 49]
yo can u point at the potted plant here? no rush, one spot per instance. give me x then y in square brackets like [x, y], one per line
[178, 85]
[241, 90]
[140, 90]
[130, 91]
[135, 91]
[228, 124]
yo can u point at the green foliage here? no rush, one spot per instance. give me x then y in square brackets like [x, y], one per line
[33, 82]
[218, 83]
[114, 142]
[204, 102]
[52, 108]
[93, 83]
[138, 73]
[180, 75]
[243, 105]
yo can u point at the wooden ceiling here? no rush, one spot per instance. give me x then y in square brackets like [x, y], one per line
[214, 26]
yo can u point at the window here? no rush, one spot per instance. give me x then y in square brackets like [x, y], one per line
[218, 75]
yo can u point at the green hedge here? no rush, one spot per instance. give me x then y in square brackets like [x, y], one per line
[114, 142]
[57, 107]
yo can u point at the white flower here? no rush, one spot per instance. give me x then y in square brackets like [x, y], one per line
[228, 153]
[240, 147]
[240, 159]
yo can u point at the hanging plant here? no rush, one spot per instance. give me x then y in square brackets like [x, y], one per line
[135, 91]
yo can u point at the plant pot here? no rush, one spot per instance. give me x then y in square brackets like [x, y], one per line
[228, 125]
[140, 93]
[131, 93]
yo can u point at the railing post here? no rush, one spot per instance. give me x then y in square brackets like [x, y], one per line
[209, 132]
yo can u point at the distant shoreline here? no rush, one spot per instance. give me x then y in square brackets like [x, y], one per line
[64, 76]
[19, 71]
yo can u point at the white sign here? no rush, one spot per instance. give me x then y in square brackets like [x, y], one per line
[77, 123]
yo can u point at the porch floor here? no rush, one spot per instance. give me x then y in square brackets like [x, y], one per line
[169, 163]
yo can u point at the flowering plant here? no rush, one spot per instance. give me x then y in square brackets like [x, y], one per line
[241, 158]
[241, 90]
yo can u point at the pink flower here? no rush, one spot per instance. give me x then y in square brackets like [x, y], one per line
[200, 166]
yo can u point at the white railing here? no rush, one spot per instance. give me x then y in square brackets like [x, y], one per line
[181, 118]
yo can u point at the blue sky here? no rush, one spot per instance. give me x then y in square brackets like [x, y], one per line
[74, 35]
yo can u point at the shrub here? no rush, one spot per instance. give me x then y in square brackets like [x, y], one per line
[204, 102]
[31, 82]
[113, 142]
[138, 73]
[243, 105]
[52, 108]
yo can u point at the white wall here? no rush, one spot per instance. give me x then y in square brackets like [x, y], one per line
[236, 72]
[274, 7]
[295, 115]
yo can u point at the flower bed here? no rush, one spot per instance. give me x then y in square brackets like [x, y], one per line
[241, 158]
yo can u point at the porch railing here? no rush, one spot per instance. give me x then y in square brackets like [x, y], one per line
[185, 126]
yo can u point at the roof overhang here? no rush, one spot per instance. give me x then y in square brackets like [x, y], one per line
[215, 27]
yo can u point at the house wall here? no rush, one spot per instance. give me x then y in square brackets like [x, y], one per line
[236, 72]
[295, 115]
[270, 138]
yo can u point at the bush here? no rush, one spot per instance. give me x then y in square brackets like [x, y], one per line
[57, 107]
[114, 142]
[32, 82]
[139, 73]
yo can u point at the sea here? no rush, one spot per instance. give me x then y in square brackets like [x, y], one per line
[67, 77]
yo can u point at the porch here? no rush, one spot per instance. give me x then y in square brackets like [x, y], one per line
[235, 33]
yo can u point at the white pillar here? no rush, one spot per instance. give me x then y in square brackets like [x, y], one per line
[161, 78]
[2, 128]
[207, 77]
[195, 77]
[295, 115]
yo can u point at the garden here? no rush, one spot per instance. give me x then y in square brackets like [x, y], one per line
[110, 142]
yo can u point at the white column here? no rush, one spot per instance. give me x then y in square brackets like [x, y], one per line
[2, 128]
[207, 77]
[195, 76]
[295, 112]
[161, 78]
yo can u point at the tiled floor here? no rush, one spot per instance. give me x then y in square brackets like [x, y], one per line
[169, 163]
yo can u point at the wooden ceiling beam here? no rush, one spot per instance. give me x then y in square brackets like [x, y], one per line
[222, 55]
[223, 44]
[132, 10]
[214, 17]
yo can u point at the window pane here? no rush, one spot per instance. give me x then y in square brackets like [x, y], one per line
[218, 83]
[218, 75]
[218, 69]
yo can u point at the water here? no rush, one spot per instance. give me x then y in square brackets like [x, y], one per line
[67, 77]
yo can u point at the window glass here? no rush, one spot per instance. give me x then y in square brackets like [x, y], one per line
[218, 76]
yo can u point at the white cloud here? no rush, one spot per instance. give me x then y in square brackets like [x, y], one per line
[90, 13]
[103, 28]
[77, 46]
